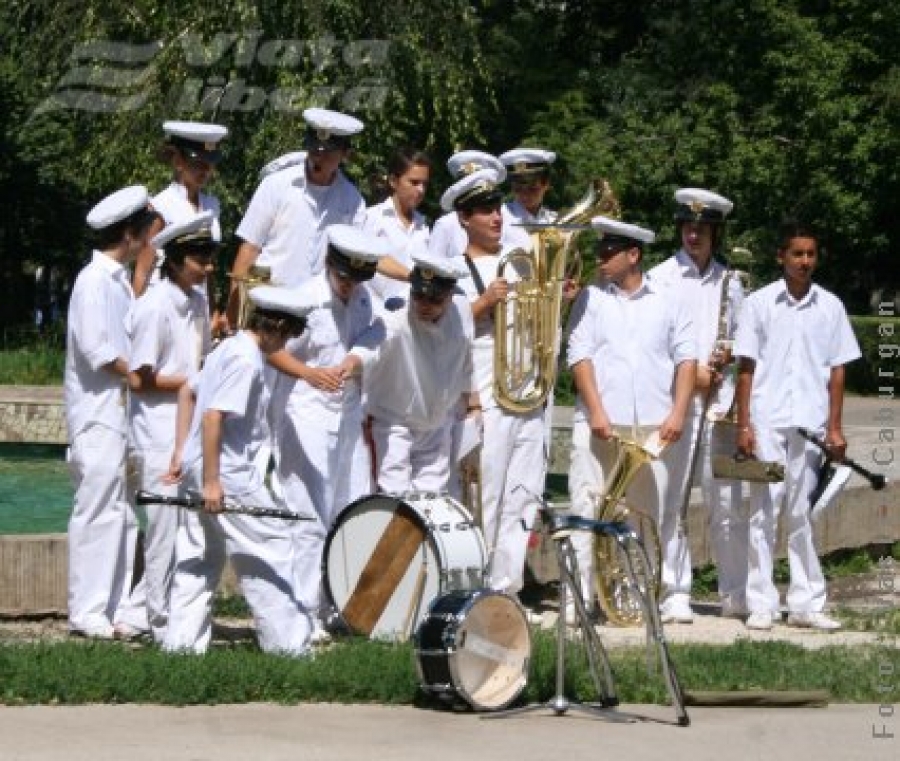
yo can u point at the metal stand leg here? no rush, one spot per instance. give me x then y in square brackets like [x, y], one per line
[560, 704]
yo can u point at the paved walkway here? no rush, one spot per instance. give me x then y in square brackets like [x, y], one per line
[324, 732]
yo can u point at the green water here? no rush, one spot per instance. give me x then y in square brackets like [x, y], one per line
[35, 489]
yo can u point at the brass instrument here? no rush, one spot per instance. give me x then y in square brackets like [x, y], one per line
[258, 275]
[527, 322]
[617, 592]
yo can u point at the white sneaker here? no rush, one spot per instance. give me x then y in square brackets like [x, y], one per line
[760, 620]
[814, 620]
[533, 617]
[128, 633]
[93, 632]
[319, 634]
[676, 611]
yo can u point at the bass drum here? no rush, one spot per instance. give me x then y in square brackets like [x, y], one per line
[388, 557]
[475, 646]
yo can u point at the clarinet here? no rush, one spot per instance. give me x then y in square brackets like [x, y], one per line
[196, 503]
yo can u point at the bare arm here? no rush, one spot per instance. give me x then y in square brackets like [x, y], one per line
[685, 379]
[834, 434]
[746, 441]
[146, 379]
[586, 386]
[211, 430]
[328, 379]
[493, 294]
[183, 416]
[390, 267]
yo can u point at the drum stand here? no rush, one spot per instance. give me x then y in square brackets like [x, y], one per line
[626, 538]
[559, 704]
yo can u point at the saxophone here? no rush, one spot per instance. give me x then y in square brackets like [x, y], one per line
[620, 600]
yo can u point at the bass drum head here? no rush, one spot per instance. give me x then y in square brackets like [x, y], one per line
[480, 639]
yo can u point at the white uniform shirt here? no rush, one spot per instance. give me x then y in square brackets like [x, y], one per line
[795, 344]
[383, 221]
[170, 333]
[331, 331]
[680, 273]
[418, 372]
[96, 335]
[635, 343]
[448, 238]
[172, 203]
[517, 213]
[231, 381]
[287, 218]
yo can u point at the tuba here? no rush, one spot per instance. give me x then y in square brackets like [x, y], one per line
[527, 322]
[619, 600]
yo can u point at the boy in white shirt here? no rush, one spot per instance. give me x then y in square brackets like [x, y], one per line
[170, 336]
[219, 435]
[793, 342]
[103, 528]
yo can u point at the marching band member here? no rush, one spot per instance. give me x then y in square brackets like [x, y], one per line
[515, 456]
[528, 170]
[218, 433]
[103, 528]
[285, 226]
[419, 379]
[321, 459]
[397, 220]
[700, 219]
[632, 350]
[170, 336]
[192, 150]
[793, 342]
[448, 238]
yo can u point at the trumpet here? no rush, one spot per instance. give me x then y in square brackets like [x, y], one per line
[527, 322]
[258, 275]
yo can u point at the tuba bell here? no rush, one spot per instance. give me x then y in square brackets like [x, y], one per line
[527, 322]
[619, 600]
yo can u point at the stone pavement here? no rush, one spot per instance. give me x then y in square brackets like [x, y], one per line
[323, 732]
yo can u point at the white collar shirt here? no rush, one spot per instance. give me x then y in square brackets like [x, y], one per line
[288, 217]
[794, 344]
[232, 382]
[519, 214]
[170, 334]
[173, 204]
[635, 343]
[331, 331]
[96, 335]
[417, 373]
[384, 222]
[703, 294]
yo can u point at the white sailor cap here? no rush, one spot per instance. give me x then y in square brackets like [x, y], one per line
[195, 230]
[197, 140]
[433, 275]
[616, 235]
[118, 206]
[329, 130]
[294, 158]
[275, 298]
[524, 162]
[465, 162]
[354, 253]
[698, 205]
[481, 188]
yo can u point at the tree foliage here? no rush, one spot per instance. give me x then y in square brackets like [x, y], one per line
[786, 106]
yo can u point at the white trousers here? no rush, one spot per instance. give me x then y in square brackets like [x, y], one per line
[262, 555]
[159, 538]
[321, 469]
[806, 593]
[655, 492]
[102, 535]
[728, 514]
[513, 455]
[410, 460]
